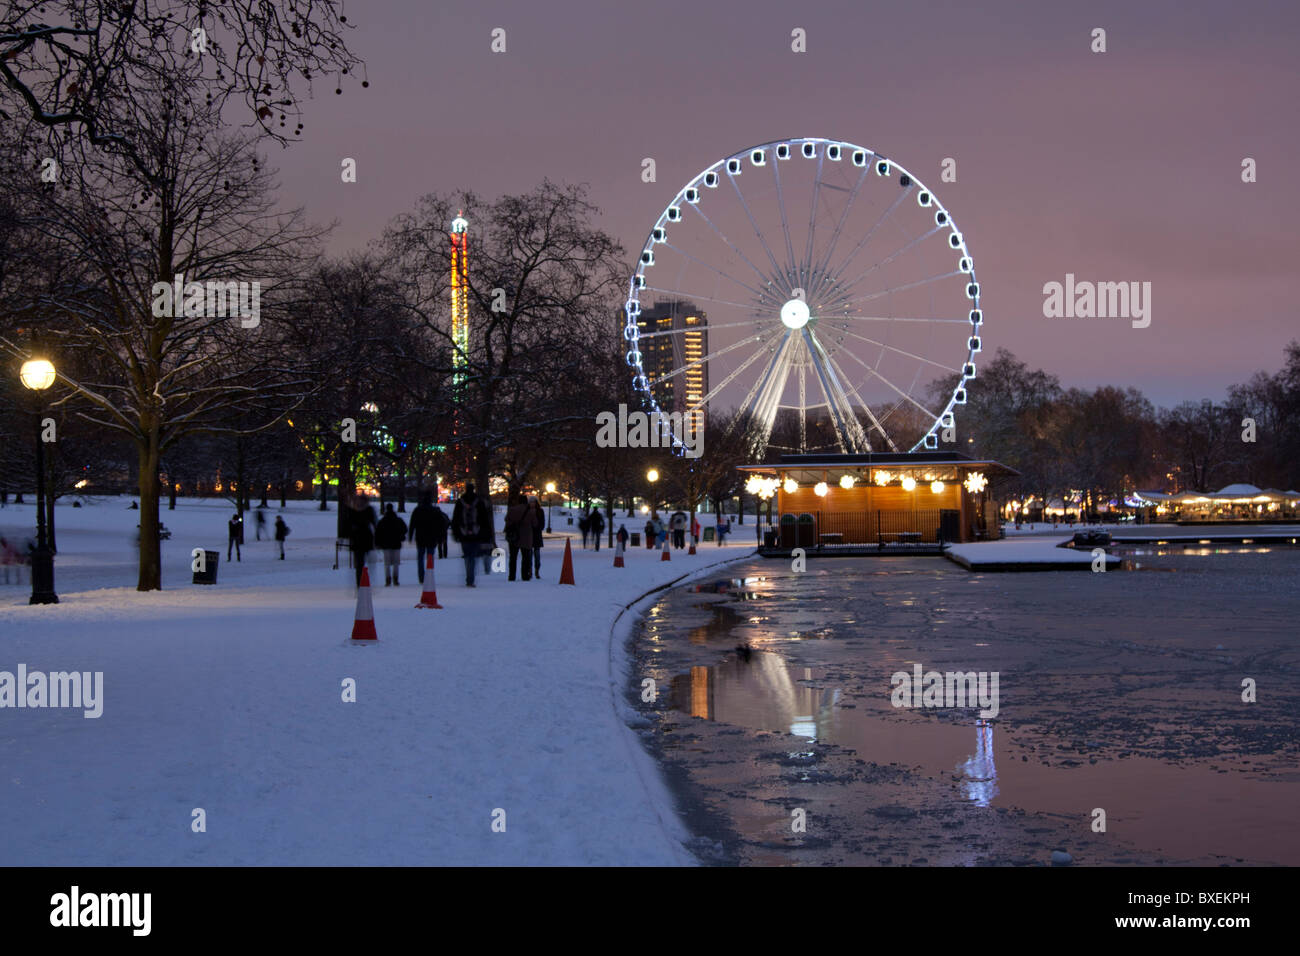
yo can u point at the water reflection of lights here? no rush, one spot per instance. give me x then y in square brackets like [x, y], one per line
[979, 772]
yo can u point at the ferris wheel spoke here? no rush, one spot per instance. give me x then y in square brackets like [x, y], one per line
[712, 355]
[805, 273]
[890, 258]
[734, 248]
[678, 294]
[897, 288]
[713, 392]
[776, 269]
[833, 277]
[767, 393]
[902, 394]
[893, 318]
[712, 268]
[893, 348]
[839, 227]
[697, 328]
[785, 222]
[849, 429]
[879, 425]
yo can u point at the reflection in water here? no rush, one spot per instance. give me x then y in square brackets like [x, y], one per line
[979, 772]
[757, 693]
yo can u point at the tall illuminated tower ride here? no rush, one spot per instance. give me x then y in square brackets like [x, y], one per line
[459, 296]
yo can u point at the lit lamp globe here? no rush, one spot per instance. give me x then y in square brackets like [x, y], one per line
[790, 486]
[37, 374]
[550, 487]
[936, 486]
[652, 475]
[820, 489]
[909, 483]
[846, 482]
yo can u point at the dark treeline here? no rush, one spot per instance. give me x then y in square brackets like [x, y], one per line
[1111, 440]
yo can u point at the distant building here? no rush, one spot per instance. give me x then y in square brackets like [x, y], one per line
[675, 335]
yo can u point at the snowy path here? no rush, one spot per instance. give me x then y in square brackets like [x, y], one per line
[229, 698]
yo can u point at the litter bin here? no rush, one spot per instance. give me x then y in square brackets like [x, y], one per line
[209, 573]
[635, 540]
[769, 538]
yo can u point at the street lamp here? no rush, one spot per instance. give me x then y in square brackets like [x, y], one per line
[550, 491]
[38, 375]
[652, 476]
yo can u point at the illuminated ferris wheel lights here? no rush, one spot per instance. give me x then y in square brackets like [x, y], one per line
[794, 314]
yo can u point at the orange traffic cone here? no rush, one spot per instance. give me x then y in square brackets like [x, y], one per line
[666, 549]
[618, 555]
[430, 596]
[692, 547]
[566, 571]
[363, 628]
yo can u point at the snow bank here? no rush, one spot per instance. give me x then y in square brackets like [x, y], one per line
[1037, 554]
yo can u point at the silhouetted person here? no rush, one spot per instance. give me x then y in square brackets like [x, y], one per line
[389, 535]
[234, 535]
[361, 533]
[471, 525]
[281, 532]
[425, 530]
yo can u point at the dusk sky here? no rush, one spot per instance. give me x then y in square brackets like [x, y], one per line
[1115, 166]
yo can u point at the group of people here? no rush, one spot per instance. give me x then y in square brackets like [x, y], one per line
[235, 533]
[367, 532]
[472, 525]
[592, 524]
[657, 530]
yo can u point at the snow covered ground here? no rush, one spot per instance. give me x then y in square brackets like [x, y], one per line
[1032, 554]
[230, 699]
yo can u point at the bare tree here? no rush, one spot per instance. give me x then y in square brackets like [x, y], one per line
[86, 70]
[543, 284]
[167, 366]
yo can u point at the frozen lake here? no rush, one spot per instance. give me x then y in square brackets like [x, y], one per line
[1119, 691]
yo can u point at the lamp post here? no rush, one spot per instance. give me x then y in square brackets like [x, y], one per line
[550, 499]
[38, 375]
[652, 476]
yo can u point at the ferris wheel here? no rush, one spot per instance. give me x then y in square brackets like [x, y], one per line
[815, 285]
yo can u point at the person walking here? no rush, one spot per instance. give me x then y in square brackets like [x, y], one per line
[660, 532]
[260, 515]
[584, 525]
[621, 536]
[389, 535]
[234, 536]
[361, 532]
[516, 511]
[695, 530]
[424, 529]
[281, 532]
[539, 527]
[597, 525]
[471, 527]
[724, 529]
[441, 525]
[650, 534]
[678, 523]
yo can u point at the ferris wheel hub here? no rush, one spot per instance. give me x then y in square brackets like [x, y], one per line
[794, 314]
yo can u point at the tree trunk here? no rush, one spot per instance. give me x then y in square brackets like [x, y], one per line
[324, 491]
[401, 484]
[150, 576]
[18, 498]
[284, 491]
[171, 491]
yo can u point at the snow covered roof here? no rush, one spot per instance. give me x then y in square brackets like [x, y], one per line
[1238, 491]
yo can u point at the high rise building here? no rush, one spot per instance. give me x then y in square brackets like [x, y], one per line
[675, 338]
